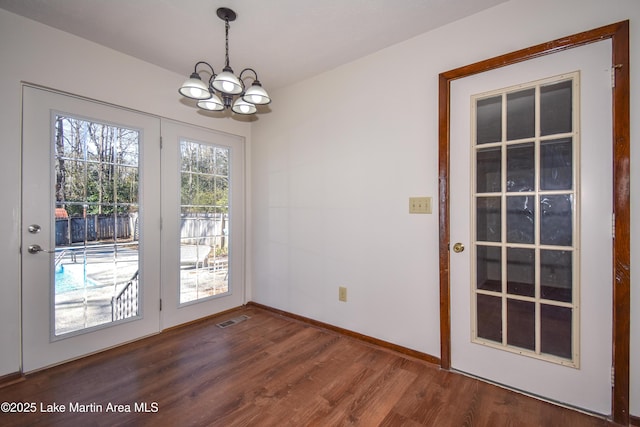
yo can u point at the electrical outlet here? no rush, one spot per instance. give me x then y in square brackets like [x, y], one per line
[342, 294]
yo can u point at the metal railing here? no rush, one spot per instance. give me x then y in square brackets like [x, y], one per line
[125, 304]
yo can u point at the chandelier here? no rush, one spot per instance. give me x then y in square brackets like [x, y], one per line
[225, 90]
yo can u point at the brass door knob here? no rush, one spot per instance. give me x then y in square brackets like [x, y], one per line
[458, 247]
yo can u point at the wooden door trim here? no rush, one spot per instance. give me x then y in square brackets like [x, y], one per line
[619, 35]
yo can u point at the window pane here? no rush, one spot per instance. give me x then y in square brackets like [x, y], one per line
[127, 184]
[71, 181]
[489, 317]
[521, 110]
[96, 224]
[520, 219]
[520, 167]
[555, 220]
[489, 268]
[489, 166]
[521, 325]
[556, 277]
[489, 120]
[204, 221]
[488, 222]
[521, 271]
[556, 108]
[555, 330]
[556, 164]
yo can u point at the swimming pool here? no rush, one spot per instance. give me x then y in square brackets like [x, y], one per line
[71, 277]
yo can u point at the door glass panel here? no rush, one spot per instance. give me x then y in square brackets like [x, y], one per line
[489, 270]
[204, 240]
[489, 120]
[556, 212]
[556, 281]
[489, 219]
[521, 110]
[520, 167]
[489, 170]
[521, 324]
[555, 330]
[96, 223]
[520, 219]
[489, 317]
[521, 272]
[523, 285]
[556, 164]
[556, 108]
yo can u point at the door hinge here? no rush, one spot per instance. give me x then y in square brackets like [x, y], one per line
[161, 143]
[613, 376]
[613, 225]
[160, 304]
[613, 74]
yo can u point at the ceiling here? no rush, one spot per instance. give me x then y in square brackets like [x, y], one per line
[285, 41]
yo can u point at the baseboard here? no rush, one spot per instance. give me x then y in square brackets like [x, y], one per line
[634, 421]
[370, 340]
[9, 379]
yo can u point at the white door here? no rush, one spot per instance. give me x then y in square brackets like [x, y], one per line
[202, 222]
[90, 227]
[531, 186]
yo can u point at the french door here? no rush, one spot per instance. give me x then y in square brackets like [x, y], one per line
[90, 227]
[122, 238]
[530, 210]
[203, 222]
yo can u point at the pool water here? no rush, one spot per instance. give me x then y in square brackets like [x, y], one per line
[71, 278]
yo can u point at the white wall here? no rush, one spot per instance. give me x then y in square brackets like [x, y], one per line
[336, 161]
[333, 164]
[38, 54]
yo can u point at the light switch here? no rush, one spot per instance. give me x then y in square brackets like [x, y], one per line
[420, 205]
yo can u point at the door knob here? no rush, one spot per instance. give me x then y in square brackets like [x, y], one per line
[458, 247]
[34, 249]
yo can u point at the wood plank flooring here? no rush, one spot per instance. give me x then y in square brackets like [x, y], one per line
[268, 371]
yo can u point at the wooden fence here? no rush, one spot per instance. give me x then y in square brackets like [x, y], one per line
[195, 229]
[93, 228]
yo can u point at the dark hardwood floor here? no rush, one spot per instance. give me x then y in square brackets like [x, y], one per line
[268, 371]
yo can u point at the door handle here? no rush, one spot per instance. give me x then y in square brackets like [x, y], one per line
[458, 247]
[34, 249]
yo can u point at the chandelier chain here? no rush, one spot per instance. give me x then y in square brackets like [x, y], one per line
[226, 40]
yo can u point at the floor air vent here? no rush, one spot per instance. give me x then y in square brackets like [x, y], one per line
[233, 321]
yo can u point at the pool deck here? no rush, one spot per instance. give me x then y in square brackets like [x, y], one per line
[90, 306]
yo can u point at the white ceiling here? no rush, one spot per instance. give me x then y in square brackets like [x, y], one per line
[285, 41]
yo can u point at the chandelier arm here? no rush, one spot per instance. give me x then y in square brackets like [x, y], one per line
[249, 69]
[195, 67]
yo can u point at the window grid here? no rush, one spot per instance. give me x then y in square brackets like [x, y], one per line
[204, 241]
[537, 194]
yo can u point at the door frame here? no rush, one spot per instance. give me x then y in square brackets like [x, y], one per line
[621, 283]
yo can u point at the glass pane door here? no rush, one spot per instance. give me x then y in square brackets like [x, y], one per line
[202, 222]
[531, 193]
[90, 227]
